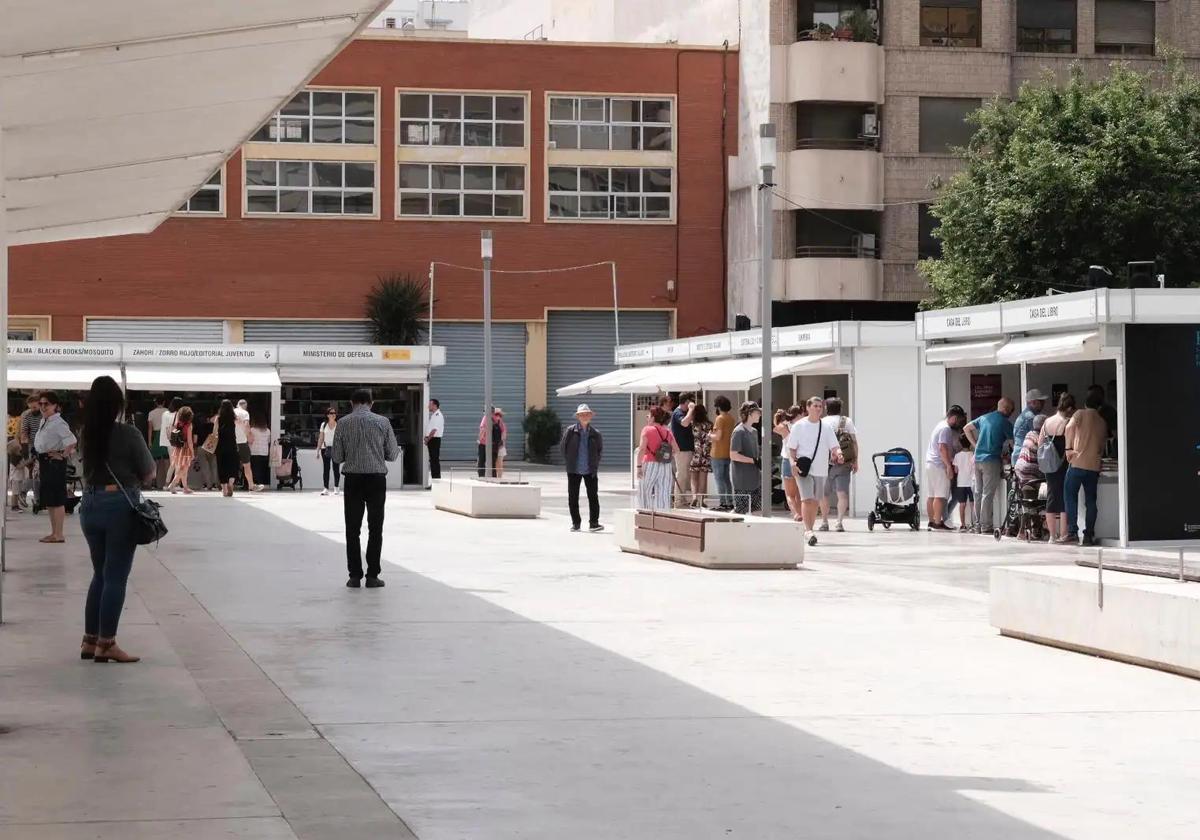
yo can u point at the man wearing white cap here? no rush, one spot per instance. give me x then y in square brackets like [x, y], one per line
[581, 449]
[1035, 403]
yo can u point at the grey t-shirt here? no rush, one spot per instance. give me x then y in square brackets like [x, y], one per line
[128, 456]
[745, 442]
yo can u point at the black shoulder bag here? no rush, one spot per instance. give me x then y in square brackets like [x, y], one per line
[804, 465]
[148, 526]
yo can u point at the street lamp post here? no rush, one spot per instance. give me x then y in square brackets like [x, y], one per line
[485, 249]
[766, 228]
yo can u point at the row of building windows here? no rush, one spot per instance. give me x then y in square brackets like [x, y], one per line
[473, 119]
[1123, 27]
[445, 190]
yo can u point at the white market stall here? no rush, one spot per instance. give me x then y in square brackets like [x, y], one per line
[876, 368]
[295, 382]
[1141, 346]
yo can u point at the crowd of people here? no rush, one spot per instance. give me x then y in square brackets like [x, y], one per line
[218, 452]
[1061, 446]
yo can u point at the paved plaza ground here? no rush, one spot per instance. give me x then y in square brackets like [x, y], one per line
[518, 682]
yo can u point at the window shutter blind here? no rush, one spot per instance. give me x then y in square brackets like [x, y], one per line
[1125, 22]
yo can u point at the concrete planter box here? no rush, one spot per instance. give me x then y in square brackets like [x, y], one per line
[1145, 620]
[488, 500]
[747, 542]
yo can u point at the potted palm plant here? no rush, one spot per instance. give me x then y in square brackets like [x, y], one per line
[398, 309]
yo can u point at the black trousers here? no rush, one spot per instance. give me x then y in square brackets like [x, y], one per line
[483, 459]
[593, 494]
[434, 445]
[364, 492]
[327, 463]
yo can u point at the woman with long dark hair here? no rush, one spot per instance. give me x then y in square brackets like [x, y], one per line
[116, 461]
[229, 461]
[183, 450]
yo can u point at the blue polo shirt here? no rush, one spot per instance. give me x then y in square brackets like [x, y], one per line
[994, 429]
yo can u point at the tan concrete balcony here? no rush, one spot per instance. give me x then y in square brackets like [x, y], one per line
[828, 274]
[827, 71]
[835, 178]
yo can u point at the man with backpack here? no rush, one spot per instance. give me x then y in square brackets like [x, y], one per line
[837, 483]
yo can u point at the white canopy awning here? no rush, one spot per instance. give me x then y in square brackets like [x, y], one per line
[225, 378]
[720, 375]
[605, 383]
[59, 377]
[1059, 347]
[114, 113]
[975, 352]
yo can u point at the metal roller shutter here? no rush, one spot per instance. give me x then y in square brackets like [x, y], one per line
[149, 331]
[580, 345]
[459, 385]
[308, 332]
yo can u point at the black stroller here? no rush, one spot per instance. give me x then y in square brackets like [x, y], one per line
[287, 474]
[1025, 514]
[897, 493]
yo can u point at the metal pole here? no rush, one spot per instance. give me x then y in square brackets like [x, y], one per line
[766, 229]
[616, 309]
[485, 244]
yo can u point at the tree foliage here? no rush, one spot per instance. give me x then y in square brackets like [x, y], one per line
[398, 308]
[543, 430]
[1071, 175]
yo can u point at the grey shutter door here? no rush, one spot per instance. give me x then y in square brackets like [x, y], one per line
[458, 385]
[150, 331]
[308, 332]
[580, 345]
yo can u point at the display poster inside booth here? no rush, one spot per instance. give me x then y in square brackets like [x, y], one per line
[1163, 438]
[986, 390]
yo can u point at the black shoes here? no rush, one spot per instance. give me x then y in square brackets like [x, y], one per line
[596, 529]
[374, 583]
[353, 583]
[574, 529]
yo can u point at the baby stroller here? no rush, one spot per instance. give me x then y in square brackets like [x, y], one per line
[897, 493]
[287, 474]
[1026, 514]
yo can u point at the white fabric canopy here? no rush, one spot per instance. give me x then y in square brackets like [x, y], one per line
[975, 352]
[1060, 347]
[200, 378]
[719, 375]
[602, 384]
[63, 377]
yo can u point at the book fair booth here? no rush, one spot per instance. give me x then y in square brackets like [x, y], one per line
[289, 386]
[1140, 346]
[876, 368]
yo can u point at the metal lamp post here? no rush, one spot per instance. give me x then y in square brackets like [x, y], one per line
[485, 249]
[766, 263]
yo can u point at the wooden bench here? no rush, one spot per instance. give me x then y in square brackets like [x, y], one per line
[711, 540]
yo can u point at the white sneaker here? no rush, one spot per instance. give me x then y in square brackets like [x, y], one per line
[337, 491]
[325, 492]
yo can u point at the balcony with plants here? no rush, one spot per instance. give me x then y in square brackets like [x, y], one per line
[852, 21]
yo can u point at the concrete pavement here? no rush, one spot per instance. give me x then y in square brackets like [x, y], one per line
[517, 681]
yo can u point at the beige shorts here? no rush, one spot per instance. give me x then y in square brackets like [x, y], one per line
[937, 483]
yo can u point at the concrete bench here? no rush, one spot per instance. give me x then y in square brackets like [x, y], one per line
[711, 540]
[488, 499]
[1144, 620]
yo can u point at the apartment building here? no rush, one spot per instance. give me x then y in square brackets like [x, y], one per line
[868, 98]
[397, 155]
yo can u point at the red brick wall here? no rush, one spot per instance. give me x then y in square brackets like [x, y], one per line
[322, 268]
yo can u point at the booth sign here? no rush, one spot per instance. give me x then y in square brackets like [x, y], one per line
[49, 351]
[208, 353]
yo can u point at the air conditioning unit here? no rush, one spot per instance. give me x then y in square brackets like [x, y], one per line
[870, 126]
[863, 245]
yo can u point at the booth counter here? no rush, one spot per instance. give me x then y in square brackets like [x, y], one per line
[876, 368]
[295, 383]
[1141, 346]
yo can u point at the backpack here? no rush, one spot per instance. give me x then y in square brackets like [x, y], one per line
[1049, 459]
[846, 442]
[177, 438]
[663, 453]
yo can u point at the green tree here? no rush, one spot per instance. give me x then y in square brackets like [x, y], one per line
[1071, 175]
[398, 308]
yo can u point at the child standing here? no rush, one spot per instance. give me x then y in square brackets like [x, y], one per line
[964, 466]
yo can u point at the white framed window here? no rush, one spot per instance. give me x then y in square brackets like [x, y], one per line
[611, 123]
[462, 119]
[323, 116]
[312, 187]
[208, 199]
[623, 193]
[449, 190]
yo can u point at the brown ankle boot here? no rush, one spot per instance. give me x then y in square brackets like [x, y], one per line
[107, 650]
[87, 648]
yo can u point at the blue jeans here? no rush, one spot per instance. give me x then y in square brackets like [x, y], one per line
[720, 471]
[1087, 479]
[107, 523]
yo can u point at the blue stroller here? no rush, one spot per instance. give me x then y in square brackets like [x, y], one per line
[897, 493]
